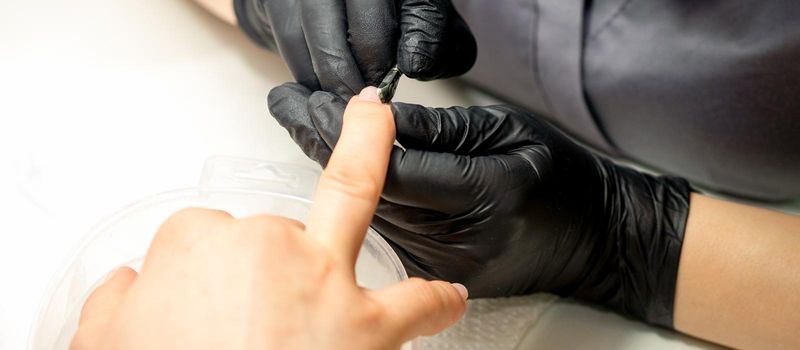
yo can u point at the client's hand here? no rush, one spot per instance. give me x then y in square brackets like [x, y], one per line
[499, 200]
[340, 45]
[211, 281]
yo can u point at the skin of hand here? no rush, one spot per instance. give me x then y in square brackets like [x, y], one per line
[210, 281]
[497, 199]
[341, 45]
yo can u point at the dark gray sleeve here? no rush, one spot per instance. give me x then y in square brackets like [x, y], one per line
[703, 90]
[253, 20]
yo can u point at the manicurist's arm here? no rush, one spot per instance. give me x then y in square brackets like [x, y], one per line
[739, 276]
[223, 9]
[496, 198]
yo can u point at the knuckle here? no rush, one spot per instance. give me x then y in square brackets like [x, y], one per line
[268, 222]
[271, 228]
[195, 216]
[354, 181]
[286, 229]
[292, 37]
[372, 316]
[189, 222]
[434, 296]
[272, 241]
[294, 223]
[378, 116]
[195, 213]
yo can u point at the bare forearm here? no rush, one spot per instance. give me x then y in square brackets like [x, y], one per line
[739, 277]
[220, 8]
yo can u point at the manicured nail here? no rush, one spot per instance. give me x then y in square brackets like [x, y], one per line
[461, 290]
[370, 94]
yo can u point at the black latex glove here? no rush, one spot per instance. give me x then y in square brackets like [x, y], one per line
[499, 200]
[341, 45]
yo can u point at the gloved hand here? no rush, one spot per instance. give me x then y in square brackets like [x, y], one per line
[339, 45]
[499, 200]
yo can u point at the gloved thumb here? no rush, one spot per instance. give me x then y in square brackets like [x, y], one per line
[288, 103]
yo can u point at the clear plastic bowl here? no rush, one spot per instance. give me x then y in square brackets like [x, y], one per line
[123, 238]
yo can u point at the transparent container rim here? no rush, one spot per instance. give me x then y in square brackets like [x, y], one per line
[58, 278]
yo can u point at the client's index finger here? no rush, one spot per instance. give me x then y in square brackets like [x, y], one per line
[351, 185]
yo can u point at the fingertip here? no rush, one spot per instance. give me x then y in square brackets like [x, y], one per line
[367, 105]
[416, 65]
[452, 307]
[286, 98]
[448, 299]
[458, 294]
[435, 41]
[461, 289]
[326, 111]
[273, 100]
[280, 91]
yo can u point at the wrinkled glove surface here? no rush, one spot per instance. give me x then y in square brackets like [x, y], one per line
[501, 201]
[343, 45]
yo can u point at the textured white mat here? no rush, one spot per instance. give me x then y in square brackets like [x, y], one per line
[492, 324]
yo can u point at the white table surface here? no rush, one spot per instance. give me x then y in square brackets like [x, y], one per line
[106, 102]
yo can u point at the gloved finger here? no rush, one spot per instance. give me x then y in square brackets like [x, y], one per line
[470, 131]
[425, 191]
[435, 42]
[373, 33]
[325, 28]
[443, 182]
[415, 220]
[288, 104]
[427, 307]
[101, 303]
[327, 112]
[453, 184]
[408, 242]
[431, 257]
[284, 16]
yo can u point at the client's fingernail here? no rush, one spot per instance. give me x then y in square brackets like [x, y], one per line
[461, 290]
[370, 94]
